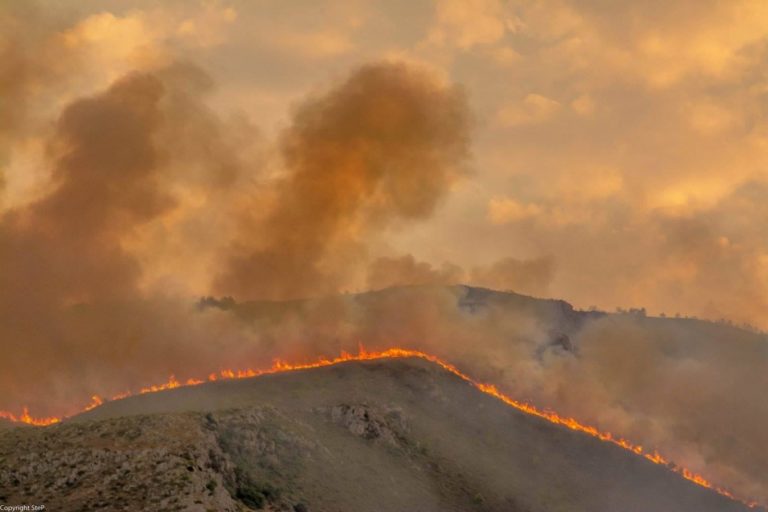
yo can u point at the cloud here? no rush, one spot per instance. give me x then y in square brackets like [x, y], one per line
[583, 105]
[467, 24]
[207, 27]
[502, 210]
[611, 125]
[711, 119]
[533, 109]
[319, 44]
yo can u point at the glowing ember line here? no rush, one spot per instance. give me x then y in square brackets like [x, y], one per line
[394, 353]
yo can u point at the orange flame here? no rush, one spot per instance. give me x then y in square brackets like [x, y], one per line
[363, 355]
[29, 420]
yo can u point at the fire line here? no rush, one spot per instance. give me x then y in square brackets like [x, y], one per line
[396, 353]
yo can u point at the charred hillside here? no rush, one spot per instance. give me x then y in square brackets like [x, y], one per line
[389, 435]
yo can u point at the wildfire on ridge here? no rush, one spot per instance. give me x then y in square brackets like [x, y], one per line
[25, 417]
[394, 353]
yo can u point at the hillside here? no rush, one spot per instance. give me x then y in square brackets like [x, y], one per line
[393, 435]
[6, 424]
[689, 388]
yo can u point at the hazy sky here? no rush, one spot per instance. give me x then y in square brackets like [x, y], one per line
[616, 151]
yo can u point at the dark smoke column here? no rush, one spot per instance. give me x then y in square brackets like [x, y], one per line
[385, 145]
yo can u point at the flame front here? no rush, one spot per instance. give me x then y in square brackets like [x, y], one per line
[393, 353]
[25, 417]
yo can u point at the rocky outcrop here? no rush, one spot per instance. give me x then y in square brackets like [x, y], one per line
[387, 425]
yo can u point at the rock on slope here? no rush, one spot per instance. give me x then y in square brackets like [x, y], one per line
[388, 435]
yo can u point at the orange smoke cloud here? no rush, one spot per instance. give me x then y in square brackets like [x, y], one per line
[384, 145]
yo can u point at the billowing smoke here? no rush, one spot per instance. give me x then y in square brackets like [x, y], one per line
[105, 185]
[406, 270]
[382, 147]
[76, 314]
[523, 276]
[70, 304]
[76, 304]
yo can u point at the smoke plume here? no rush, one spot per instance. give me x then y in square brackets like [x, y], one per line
[75, 301]
[64, 250]
[384, 146]
[76, 316]
[524, 276]
[406, 270]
